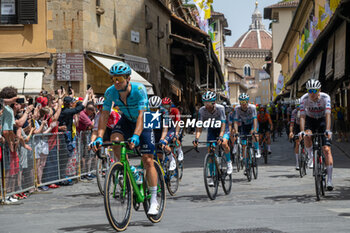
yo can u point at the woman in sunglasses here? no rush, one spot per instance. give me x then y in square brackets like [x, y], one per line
[315, 117]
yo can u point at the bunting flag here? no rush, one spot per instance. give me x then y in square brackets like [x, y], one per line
[334, 5]
[280, 84]
[204, 13]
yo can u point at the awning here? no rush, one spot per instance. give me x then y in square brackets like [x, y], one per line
[14, 76]
[168, 74]
[105, 62]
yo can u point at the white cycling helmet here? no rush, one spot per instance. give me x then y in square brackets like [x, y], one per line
[99, 101]
[209, 96]
[154, 102]
[313, 84]
[243, 97]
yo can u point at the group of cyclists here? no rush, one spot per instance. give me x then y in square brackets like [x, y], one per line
[310, 116]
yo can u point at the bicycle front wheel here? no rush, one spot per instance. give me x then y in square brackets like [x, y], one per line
[102, 167]
[211, 176]
[318, 174]
[226, 179]
[118, 197]
[161, 196]
[254, 163]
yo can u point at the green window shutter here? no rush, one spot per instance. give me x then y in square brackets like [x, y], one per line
[27, 11]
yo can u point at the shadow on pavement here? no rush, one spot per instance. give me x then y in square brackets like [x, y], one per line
[193, 198]
[89, 228]
[339, 193]
[103, 227]
[286, 176]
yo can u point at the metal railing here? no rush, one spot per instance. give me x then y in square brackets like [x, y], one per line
[54, 158]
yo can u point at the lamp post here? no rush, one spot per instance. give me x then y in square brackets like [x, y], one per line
[24, 82]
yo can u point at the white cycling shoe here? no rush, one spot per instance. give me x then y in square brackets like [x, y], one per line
[172, 165]
[181, 156]
[229, 168]
[310, 163]
[258, 154]
[153, 209]
[211, 182]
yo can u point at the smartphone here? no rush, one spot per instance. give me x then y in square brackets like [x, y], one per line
[62, 88]
[44, 92]
[20, 101]
[30, 101]
[88, 87]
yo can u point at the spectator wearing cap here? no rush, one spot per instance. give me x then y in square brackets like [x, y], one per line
[65, 125]
[86, 123]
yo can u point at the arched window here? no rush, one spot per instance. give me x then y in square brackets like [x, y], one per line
[246, 70]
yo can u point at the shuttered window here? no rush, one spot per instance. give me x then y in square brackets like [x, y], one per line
[18, 12]
[27, 11]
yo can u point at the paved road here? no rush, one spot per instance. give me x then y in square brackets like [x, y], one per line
[279, 201]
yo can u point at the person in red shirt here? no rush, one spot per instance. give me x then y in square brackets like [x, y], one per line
[174, 131]
[265, 126]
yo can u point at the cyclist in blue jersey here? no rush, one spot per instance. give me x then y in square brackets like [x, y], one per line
[216, 112]
[162, 135]
[131, 99]
[246, 116]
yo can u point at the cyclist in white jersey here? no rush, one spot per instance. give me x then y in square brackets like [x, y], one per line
[315, 116]
[245, 113]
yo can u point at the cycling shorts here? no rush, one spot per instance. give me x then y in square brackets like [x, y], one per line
[127, 128]
[317, 126]
[214, 133]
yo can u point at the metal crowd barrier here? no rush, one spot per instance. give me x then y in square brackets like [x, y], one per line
[88, 159]
[18, 170]
[54, 158]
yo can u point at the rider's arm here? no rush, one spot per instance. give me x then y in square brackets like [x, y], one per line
[102, 123]
[198, 132]
[222, 130]
[139, 123]
[302, 123]
[255, 125]
[93, 135]
[269, 120]
[236, 126]
[328, 121]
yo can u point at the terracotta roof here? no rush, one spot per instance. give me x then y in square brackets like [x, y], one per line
[293, 3]
[216, 13]
[254, 39]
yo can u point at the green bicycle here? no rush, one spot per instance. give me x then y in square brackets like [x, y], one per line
[121, 191]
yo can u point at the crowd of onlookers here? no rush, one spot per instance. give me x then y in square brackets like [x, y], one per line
[56, 119]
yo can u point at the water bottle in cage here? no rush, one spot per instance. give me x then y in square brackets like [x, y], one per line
[140, 174]
[135, 173]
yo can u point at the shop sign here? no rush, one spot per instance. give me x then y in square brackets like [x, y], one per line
[70, 67]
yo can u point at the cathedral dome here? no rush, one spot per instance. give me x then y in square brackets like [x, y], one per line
[257, 37]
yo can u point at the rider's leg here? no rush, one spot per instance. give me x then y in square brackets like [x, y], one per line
[329, 165]
[296, 151]
[116, 149]
[268, 136]
[308, 147]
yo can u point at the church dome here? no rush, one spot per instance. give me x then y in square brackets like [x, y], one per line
[257, 37]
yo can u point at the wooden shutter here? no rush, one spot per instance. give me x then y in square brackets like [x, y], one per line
[27, 11]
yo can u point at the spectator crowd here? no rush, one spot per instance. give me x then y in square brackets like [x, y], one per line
[56, 119]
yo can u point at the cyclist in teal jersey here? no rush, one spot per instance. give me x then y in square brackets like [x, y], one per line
[131, 99]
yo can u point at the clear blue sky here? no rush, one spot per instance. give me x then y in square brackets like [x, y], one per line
[239, 15]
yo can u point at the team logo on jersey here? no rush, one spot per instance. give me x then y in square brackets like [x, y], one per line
[151, 120]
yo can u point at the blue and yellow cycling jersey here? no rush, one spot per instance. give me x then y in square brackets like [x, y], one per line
[137, 100]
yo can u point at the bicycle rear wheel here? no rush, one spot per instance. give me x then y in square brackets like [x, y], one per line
[211, 176]
[226, 179]
[181, 169]
[161, 196]
[172, 178]
[117, 198]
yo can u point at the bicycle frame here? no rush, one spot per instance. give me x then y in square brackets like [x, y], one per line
[138, 190]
